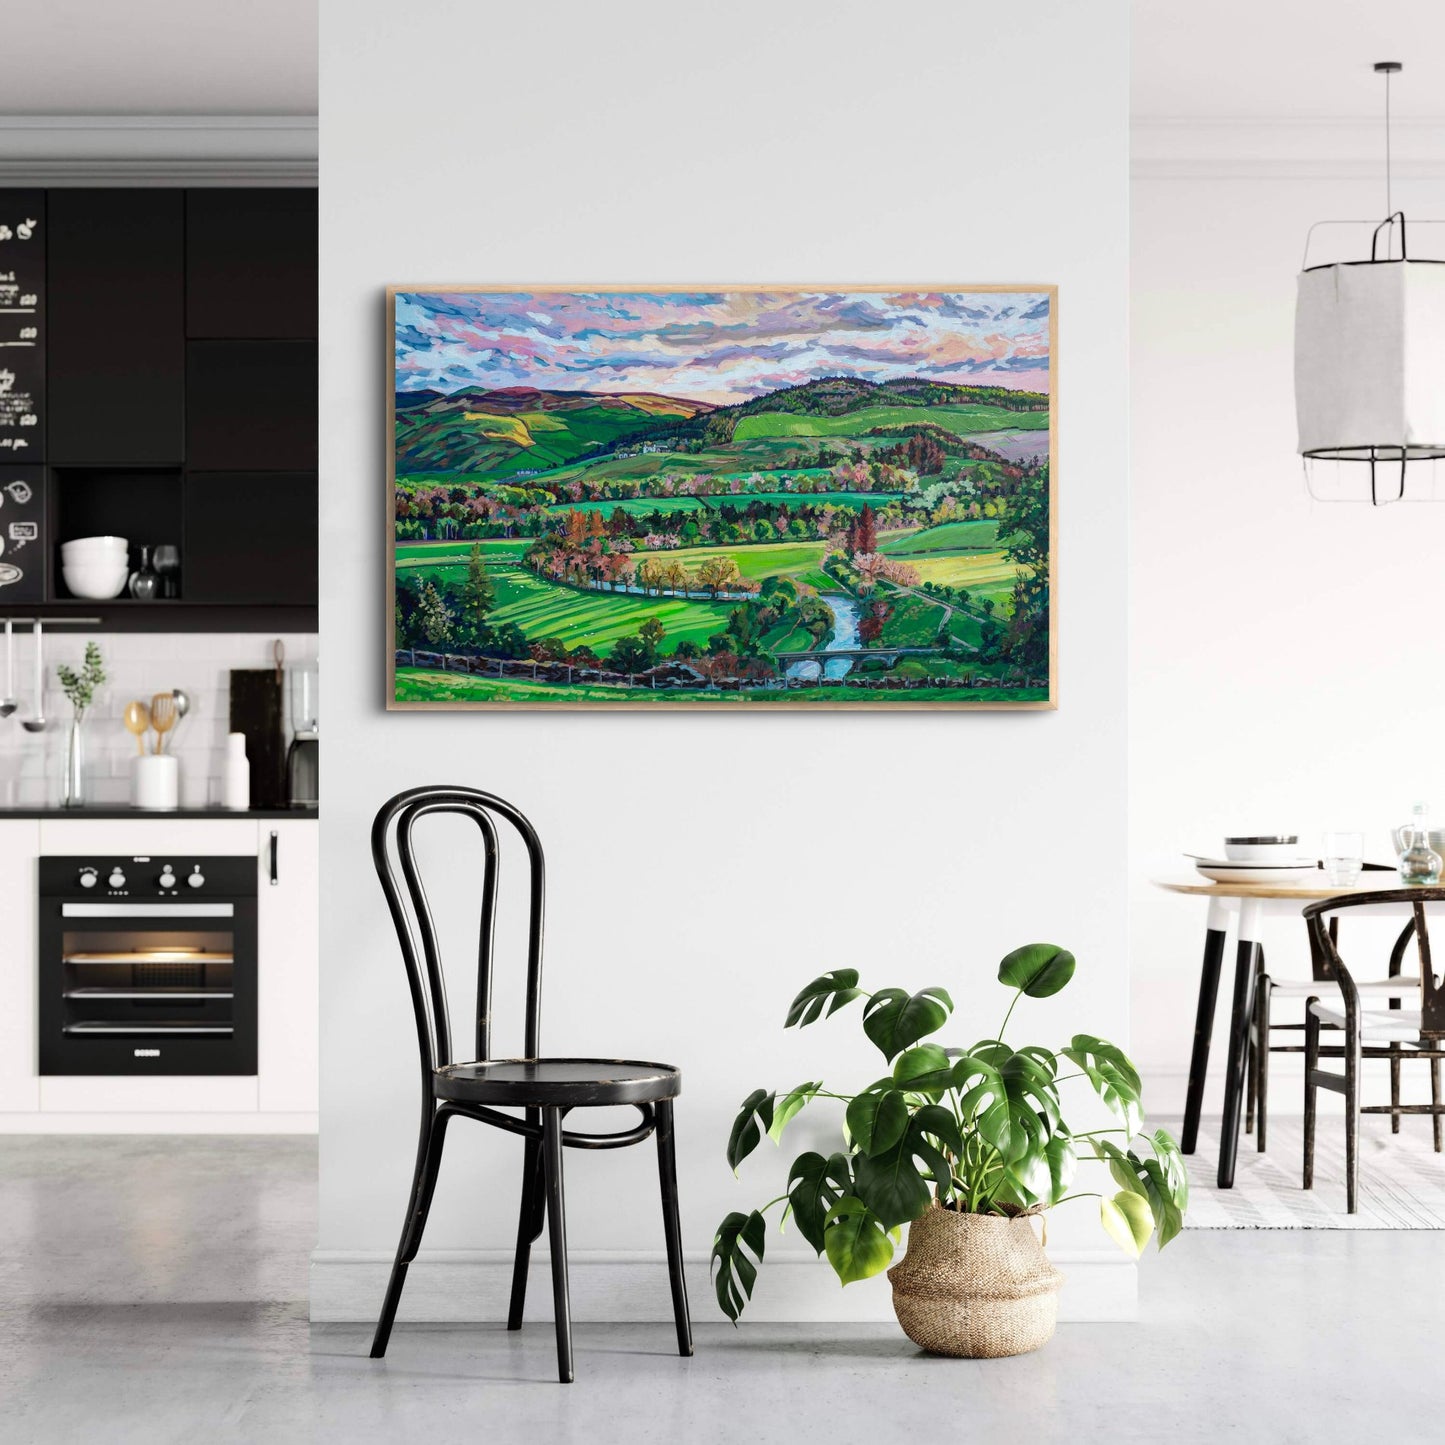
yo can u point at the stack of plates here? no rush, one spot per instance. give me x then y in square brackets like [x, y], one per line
[1283, 870]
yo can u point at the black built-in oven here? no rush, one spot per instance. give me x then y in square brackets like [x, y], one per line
[147, 965]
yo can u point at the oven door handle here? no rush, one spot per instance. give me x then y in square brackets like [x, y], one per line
[275, 848]
[148, 910]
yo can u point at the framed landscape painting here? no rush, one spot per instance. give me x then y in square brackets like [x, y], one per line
[741, 496]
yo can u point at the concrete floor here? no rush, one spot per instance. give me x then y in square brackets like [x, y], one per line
[155, 1290]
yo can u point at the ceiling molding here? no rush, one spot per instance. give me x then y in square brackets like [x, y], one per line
[161, 150]
[1264, 148]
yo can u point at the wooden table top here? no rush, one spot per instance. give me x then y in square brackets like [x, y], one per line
[1304, 890]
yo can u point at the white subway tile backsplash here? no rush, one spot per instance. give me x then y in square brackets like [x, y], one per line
[137, 666]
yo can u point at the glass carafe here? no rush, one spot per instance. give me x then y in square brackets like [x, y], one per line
[1419, 863]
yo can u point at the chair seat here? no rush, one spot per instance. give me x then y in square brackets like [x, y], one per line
[572, 1083]
[1374, 987]
[1396, 1027]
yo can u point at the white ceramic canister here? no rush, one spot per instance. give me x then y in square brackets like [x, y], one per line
[156, 782]
[236, 775]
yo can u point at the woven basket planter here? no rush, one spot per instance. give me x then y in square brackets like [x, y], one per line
[977, 1285]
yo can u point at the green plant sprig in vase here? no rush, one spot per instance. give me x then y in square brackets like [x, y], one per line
[979, 1131]
[79, 689]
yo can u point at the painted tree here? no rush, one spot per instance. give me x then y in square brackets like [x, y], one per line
[433, 621]
[867, 532]
[652, 632]
[473, 602]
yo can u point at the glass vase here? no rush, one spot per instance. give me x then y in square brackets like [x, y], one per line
[74, 796]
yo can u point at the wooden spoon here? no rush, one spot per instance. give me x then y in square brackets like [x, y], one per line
[163, 717]
[137, 720]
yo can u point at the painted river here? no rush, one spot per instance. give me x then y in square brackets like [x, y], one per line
[844, 638]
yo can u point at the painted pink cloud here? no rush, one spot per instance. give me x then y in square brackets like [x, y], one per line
[718, 346]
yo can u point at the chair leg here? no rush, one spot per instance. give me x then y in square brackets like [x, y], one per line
[423, 1186]
[1395, 1088]
[1352, 1124]
[557, 1238]
[1435, 1120]
[529, 1227]
[672, 1225]
[1261, 1084]
[1312, 1059]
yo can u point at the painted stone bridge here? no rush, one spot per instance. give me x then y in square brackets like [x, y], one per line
[856, 654]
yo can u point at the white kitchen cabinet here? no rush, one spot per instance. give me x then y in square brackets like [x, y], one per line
[287, 945]
[19, 944]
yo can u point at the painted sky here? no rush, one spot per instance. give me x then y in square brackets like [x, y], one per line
[717, 347]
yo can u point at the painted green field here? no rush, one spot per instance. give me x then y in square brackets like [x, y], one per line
[420, 685]
[542, 608]
[950, 537]
[855, 500]
[494, 549]
[799, 560]
[978, 571]
[960, 420]
[633, 506]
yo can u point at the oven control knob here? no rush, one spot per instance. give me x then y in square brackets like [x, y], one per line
[117, 878]
[197, 879]
[88, 877]
[167, 878]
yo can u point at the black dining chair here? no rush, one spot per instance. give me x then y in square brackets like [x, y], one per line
[545, 1089]
[1392, 1033]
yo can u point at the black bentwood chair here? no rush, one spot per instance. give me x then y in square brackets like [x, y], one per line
[1392, 1033]
[545, 1089]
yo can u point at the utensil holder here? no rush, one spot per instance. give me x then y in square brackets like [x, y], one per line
[156, 782]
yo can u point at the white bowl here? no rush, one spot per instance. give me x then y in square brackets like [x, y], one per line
[94, 547]
[1284, 848]
[97, 583]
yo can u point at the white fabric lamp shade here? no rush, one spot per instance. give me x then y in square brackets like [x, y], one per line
[1369, 361]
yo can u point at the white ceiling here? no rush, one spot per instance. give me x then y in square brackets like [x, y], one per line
[155, 57]
[1286, 59]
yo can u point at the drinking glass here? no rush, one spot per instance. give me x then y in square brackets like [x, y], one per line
[167, 561]
[1344, 858]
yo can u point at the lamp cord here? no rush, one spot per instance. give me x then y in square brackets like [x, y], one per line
[1389, 199]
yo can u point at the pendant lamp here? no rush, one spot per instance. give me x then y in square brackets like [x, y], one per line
[1369, 364]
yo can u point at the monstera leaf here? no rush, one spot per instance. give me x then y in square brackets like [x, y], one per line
[894, 1182]
[829, 992]
[1010, 1098]
[1039, 969]
[1128, 1220]
[876, 1121]
[792, 1103]
[856, 1241]
[924, 1069]
[894, 1019]
[754, 1118]
[1114, 1077]
[734, 1273]
[815, 1185]
[1161, 1182]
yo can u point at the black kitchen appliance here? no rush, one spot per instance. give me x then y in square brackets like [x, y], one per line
[148, 965]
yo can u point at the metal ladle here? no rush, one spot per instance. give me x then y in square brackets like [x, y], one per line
[37, 724]
[183, 704]
[9, 702]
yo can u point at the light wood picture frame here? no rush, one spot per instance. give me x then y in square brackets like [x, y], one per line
[723, 496]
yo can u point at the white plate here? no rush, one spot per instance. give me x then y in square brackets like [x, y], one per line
[1256, 872]
[1297, 860]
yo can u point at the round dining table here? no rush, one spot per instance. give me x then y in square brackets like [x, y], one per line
[1248, 904]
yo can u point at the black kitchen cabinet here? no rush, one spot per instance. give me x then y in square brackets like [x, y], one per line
[251, 264]
[251, 405]
[116, 359]
[250, 538]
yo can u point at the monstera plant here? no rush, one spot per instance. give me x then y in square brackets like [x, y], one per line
[981, 1130]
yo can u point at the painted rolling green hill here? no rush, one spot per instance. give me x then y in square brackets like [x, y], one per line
[520, 429]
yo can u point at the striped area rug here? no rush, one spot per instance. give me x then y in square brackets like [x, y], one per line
[1402, 1179]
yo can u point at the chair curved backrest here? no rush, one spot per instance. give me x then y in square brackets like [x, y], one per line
[1416, 903]
[392, 834]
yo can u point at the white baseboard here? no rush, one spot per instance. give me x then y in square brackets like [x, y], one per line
[473, 1286]
[55, 1122]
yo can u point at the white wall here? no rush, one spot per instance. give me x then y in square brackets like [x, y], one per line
[1284, 662]
[703, 868]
